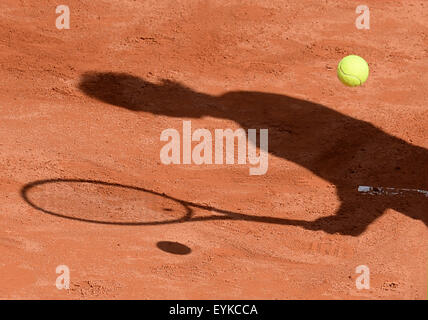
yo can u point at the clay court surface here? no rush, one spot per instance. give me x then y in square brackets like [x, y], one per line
[82, 184]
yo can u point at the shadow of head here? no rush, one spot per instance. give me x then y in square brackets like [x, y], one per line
[165, 98]
[174, 99]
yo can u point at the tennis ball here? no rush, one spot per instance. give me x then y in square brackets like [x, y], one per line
[353, 71]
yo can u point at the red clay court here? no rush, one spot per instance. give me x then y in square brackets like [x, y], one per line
[82, 183]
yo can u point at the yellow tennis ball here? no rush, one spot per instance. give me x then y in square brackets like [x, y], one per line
[353, 71]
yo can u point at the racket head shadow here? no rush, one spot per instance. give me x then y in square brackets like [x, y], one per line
[103, 202]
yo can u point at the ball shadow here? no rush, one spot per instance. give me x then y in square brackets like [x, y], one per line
[174, 247]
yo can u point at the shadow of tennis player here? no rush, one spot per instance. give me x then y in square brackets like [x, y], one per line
[338, 148]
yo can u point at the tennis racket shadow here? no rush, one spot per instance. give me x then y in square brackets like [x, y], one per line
[159, 208]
